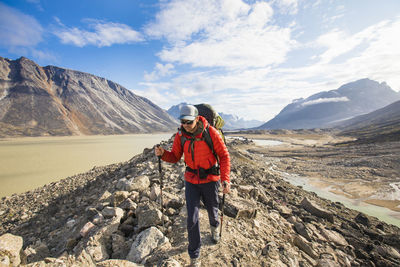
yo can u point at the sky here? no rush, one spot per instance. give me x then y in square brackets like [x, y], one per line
[244, 57]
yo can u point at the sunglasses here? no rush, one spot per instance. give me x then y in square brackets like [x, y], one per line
[183, 122]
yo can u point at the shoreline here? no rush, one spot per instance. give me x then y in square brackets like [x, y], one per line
[307, 154]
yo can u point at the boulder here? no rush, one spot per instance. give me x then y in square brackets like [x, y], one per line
[305, 246]
[316, 210]
[302, 230]
[149, 217]
[119, 197]
[155, 192]
[110, 212]
[240, 208]
[10, 250]
[145, 243]
[334, 237]
[89, 226]
[139, 183]
[362, 219]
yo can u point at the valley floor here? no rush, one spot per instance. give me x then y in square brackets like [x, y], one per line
[368, 173]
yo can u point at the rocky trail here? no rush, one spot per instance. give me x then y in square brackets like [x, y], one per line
[111, 216]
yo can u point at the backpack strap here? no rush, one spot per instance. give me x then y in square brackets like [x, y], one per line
[206, 137]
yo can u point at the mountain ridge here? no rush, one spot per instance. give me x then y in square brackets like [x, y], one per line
[324, 108]
[37, 101]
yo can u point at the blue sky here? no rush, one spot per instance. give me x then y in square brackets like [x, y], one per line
[248, 58]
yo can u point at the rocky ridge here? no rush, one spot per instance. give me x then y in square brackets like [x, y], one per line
[41, 101]
[111, 216]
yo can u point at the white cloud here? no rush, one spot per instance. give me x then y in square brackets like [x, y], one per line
[325, 100]
[230, 34]
[248, 85]
[101, 34]
[287, 6]
[160, 71]
[18, 29]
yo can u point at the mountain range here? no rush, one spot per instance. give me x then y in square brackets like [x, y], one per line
[39, 101]
[325, 109]
[232, 122]
[380, 125]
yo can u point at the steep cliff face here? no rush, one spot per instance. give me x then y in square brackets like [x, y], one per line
[37, 101]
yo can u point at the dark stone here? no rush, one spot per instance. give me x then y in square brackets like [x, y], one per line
[361, 218]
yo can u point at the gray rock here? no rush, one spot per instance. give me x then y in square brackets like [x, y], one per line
[334, 237]
[119, 246]
[109, 212]
[155, 192]
[305, 246]
[10, 249]
[301, 229]
[123, 184]
[128, 204]
[105, 197]
[119, 197]
[386, 251]
[145, 243]
[240, 208]
[150, 217]
[316, 210]
[139, 183]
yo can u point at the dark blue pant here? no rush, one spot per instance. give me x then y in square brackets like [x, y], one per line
[193, 192]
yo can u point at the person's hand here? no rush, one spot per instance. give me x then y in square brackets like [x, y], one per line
[226, 187]
[159, 151]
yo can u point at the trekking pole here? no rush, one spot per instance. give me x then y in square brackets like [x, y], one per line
[222, 215]
[161, 188]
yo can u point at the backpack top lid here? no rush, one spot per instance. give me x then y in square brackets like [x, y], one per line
[207, 112]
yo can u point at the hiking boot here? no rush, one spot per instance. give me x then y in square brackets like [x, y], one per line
[195, 262]
[215, 234]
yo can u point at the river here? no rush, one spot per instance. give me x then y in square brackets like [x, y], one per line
[31, 162]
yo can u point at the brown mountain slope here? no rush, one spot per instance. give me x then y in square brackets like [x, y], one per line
[37, 101]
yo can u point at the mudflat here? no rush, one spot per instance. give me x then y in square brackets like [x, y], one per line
[369, 173]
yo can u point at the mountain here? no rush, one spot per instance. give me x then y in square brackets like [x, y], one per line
[232, 122]
[37, 101]
[326, 108]
[380, 125]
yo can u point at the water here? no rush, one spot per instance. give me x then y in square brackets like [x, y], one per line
[262, 142]
[258, 142]
[381, 213]
[28, 163]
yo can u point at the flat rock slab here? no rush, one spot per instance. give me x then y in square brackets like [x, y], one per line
[314, 209]
[240, 208]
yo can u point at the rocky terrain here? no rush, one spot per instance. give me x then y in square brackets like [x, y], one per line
[111, 216]
[368, 172]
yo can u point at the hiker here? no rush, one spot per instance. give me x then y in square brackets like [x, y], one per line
[202, 176]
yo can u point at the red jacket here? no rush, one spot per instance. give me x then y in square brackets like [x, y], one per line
[203, 156]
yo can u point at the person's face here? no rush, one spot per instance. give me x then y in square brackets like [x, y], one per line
[190, 126]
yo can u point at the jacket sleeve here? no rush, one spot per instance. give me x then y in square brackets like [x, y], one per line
[175, 154]
[223, 154]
